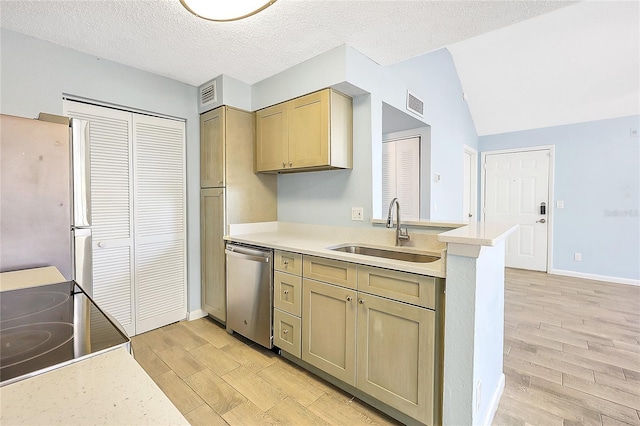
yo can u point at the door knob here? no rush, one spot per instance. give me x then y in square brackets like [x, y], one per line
[541, 221]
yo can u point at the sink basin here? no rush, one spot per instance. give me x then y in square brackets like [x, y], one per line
[405, 256]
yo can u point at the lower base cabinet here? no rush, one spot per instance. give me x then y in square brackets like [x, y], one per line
[384, 348]
[329, 329]
[396, 354]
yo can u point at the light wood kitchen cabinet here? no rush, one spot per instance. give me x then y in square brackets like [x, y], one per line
[287, 302]
[231, 193]
[212, 138]
[212, 252]
[396, 355]
[330, 271]
[329, 329]
[312, 132]
[403, 286]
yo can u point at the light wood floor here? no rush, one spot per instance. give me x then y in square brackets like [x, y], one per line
[571, 357]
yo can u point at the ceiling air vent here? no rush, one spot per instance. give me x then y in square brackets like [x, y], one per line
[415, 104]
[208, 94]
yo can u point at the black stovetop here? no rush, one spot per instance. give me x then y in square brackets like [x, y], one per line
[49, 326]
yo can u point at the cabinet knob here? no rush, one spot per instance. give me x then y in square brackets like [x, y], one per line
[349, 298]
[286, 292]
[284, 164]
[285, 262]
[361, 301]
[290, 164]
[285, 331]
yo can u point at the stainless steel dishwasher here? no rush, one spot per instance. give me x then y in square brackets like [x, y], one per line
[250, 293]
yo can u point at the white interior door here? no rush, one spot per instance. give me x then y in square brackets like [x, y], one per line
[111, 208]
[470, 193]
[516, 188]
[160, 228]
[401, 176]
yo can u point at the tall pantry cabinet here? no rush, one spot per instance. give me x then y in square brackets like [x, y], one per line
[230, 193]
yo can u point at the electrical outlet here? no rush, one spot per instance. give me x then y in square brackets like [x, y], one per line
[357, 213]
[560, 204]
[577, 257]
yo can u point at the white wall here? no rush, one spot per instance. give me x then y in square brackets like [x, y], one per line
[34, 75]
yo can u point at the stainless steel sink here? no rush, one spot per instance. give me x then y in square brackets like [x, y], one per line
[405, 256]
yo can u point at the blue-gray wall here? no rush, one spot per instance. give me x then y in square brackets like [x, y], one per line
[34, 74]
[597, 175]
[435, 77]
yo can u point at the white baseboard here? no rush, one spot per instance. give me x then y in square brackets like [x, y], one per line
[493, 405]
[595, 277]
[194, 315]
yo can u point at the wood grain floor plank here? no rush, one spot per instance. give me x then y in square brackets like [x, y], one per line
[588, 402]
[602, 391]
[554, 364]
[148, 359]
[526, 414]
[291, 384]
[217, 393]
[182, 396]
[630, 386]
[554, 336]
[247, 414]
[557, 405]
[289, 412]
[532, 369]
[253, 387]
[205, 416]
[187, 338]
[214, 359]
[180, 361]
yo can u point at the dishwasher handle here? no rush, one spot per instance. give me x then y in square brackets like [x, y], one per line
[234, 253]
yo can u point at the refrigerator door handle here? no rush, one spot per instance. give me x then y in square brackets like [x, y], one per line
[83, 260]
[81, 161]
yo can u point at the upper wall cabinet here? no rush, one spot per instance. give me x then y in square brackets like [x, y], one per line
[313, 132]
[212, 138]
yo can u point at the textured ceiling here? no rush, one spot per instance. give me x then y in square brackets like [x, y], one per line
[160, 36]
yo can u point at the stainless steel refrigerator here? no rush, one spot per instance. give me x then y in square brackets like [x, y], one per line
[45, 213]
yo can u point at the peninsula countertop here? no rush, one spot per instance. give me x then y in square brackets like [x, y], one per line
[316, 240]
[108, 389]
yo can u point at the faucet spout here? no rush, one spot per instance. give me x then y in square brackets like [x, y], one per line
[401, 234]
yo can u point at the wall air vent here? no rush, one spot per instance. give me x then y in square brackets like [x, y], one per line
[415, 104]
[208, 94]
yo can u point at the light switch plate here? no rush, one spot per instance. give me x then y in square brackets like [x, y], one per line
[357, 213]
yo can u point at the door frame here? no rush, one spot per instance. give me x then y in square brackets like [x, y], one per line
[473, 173]
[551, 206]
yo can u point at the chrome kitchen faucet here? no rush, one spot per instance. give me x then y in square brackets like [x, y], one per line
[401, 234]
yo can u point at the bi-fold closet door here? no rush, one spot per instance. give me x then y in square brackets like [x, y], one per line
[139, 217]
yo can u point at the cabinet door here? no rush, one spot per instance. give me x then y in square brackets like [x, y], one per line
[212, 130]
[329, 329]
[213, 258]
[309, 130]
[396, 355]
[271, 138]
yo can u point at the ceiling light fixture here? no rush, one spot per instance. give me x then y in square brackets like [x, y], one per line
[225, 10]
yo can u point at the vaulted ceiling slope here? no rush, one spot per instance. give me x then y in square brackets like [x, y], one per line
[577, 64]
[523, 64]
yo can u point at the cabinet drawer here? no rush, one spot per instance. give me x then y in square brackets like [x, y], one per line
[286, 261]
[286, 332]
[330, 271]
[287, 294]
[403, 286]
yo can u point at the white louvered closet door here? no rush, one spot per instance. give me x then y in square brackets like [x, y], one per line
[111, 198]
[401, 176]
[160, 229]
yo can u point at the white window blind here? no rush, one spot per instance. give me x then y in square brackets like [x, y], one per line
[401, 176]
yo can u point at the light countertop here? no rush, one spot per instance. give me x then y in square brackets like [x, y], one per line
[315, 239]
[108, 389]
[30, 277]
[478, 233]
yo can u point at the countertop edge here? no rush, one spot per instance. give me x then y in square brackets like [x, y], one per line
[273, 241]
